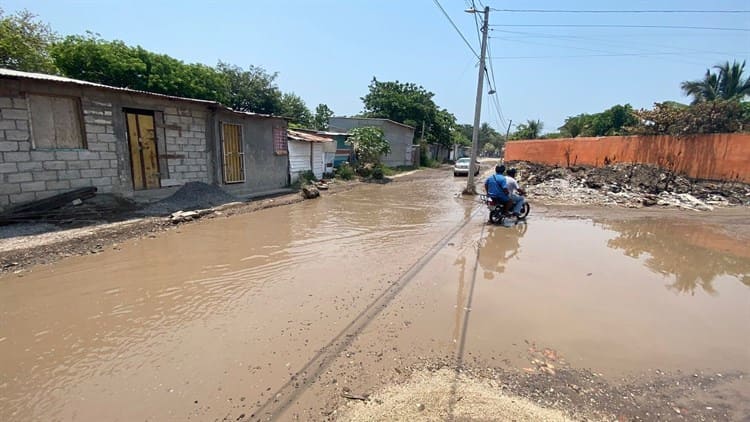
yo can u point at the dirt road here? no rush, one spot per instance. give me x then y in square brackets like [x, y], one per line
[387, 302]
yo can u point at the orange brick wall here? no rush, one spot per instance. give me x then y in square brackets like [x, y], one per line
[715, 156]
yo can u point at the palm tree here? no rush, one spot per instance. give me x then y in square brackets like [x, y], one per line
[731, 84]
[727, 84]
[535, 128]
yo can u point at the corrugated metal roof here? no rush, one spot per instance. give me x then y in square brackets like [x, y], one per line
[327, 133]
[306, 137]
[8, 73]
[374, 118]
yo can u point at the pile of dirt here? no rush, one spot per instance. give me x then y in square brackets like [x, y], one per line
[191, 196]
[448, 395]
[629, 185]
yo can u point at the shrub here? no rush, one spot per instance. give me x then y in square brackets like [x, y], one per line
[307, 176]
[377, 173]
[345, 171]
[364, 171]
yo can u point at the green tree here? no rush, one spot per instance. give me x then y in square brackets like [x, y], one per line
[487, 134]
[251, 90]
[612, 121]
[322, 115]
[369, 144]
[94, 59]
[576, 125]
[24, 43]
[410, 104]
[718, 116]
[530, 130]
[727, 84]
[294, 108]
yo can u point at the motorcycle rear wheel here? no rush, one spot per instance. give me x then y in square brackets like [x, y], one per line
[525, 210]
[496, 216]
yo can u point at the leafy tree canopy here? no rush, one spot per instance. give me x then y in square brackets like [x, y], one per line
[252, 89]
[410, 104]
[532, 129]
[613, 121]
[24, 43]
[322, 115]
[718, 116]
[294, 108]
[369, 144]
[91, 58]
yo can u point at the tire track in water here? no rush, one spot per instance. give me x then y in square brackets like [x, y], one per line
[292, 389]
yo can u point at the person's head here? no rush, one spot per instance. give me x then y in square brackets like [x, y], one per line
[512, 172]
[500, 169]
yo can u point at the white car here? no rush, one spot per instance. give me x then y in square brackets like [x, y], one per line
[461, 168]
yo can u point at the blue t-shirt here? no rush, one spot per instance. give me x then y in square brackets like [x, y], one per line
[495, 185]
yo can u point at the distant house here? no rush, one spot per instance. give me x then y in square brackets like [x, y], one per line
[58, 134]
[399, 136]
[309, 151]
[343, 152]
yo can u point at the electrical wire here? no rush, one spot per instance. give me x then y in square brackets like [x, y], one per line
[616, 11]
[679, 58]
[437, 3]
[608, 42]
[573, 56]
[493, 100]
[706, 28]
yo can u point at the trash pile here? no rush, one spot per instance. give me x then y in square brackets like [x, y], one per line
[627, 185]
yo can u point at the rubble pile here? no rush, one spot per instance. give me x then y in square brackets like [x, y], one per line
[627, 185]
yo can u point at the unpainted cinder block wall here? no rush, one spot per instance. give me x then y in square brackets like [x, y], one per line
[720, 156]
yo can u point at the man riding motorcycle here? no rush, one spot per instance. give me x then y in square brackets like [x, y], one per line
[496, 186]
[513, 187]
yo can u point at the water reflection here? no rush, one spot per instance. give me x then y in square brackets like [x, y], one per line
[499, 246]
[694, 255]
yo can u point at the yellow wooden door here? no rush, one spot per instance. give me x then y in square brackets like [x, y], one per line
[234, 157]
[144, 157]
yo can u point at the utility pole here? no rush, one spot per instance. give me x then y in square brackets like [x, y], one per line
[470, 188]
[507, 132]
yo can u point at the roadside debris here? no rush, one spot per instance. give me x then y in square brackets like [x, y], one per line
[310, 192]
[46, 207]
[627, 185]
[183, 216]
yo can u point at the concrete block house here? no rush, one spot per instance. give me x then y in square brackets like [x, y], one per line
[58, 134]
[399, 136]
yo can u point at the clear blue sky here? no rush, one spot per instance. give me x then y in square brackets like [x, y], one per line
[327, 51]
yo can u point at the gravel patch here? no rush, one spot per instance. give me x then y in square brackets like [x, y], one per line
[447, 395]
[25, 229]
[191, 196]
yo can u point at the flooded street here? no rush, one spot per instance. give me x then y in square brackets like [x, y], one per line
[273, 313]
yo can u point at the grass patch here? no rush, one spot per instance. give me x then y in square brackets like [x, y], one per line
[392, 171]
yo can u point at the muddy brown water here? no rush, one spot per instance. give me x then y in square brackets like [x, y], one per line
[278, 309]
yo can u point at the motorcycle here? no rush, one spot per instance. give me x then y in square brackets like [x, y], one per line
[498, 211]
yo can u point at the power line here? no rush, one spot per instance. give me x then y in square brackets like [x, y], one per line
[704, 28]
[617, 11]
[593, 50]
[437, 3]
[490, 81]
[590, 55]
[609, 42]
